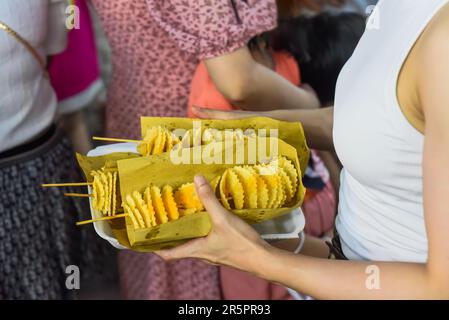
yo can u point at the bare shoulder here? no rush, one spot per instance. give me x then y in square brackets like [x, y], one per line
[433, 65]
[436, 36]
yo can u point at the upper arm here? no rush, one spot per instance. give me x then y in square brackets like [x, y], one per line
[434, 100]
[232, 73]
[57, 31]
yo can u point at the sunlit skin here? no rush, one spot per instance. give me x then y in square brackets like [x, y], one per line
[234, 243]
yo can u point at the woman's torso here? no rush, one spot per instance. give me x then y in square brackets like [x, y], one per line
[381, 198]
[27, 101]
[151, 75]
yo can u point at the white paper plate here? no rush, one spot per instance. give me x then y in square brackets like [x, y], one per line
[285, 227]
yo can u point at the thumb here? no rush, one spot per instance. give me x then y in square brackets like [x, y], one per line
[208, 198]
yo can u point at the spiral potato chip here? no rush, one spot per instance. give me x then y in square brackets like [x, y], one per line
[159, 142]
[186, 141]
[100, 194]
[271, 182]
[186, 197]
[133, 210]
[262, 190]
[104, 191]
[262, 186]
[114, 193]
[142, 208]
[281, 193]
[149, 202]
[158, 204]
[169, 202]
[105, 184]
[231, 189]
[145, 147]
[224, 193]
[170, 141]
[249, 184]
[290, 170]
[287, 185]
[131, 215]
[109, 196]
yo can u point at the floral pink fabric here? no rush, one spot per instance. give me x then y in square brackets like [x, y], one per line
[156, 46]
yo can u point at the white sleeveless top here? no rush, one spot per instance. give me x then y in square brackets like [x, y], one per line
[27, 100]
[381, 215]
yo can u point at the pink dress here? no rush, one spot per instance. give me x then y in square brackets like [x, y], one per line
[156, 46]
[75, 73]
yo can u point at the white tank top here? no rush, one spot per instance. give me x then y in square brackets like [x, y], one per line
[381, 215]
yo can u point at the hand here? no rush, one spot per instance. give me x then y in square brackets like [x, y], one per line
[231, 242]
[205, 113]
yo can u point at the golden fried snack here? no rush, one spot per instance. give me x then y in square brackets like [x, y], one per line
[158, 205]
[287, 185]
[159, 143]
[157, 140]
[169, 203]
[110, 196]
[142, 208]
[135, 211]
[262, 186]
[186, 198]
[289, 168]
[131, 215]
[231, 191]
[114, 193]
[271, 182]
[149, 202]
[249, 184]
[262, 190]
[170, 141]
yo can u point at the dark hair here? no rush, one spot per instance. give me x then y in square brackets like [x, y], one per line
[321, 45]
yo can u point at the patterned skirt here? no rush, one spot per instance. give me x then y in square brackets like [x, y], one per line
[38, 236]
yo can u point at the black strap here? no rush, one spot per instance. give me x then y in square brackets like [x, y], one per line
[335, 250]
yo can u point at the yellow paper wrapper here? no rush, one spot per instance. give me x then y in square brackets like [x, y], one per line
[87, 164]
[290, 132]
[159, 170]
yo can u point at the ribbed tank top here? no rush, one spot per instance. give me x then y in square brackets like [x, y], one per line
[381, 214]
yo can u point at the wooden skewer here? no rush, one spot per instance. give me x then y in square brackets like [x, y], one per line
[69, 184]
[80, 195]
[115, 139]
[101, 219]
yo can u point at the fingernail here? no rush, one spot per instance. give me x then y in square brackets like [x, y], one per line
[199, 180]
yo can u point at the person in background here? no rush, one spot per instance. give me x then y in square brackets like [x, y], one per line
[321, 45]
[38, 236]
[75, 76]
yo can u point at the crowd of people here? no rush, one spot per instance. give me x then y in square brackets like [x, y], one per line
[292, 60]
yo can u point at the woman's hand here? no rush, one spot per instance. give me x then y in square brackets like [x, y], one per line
[231, 242]
[205, 113]
[317, 123]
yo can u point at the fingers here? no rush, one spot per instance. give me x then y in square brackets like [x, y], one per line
[186, 250]
[208, 198]
[205, 113]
